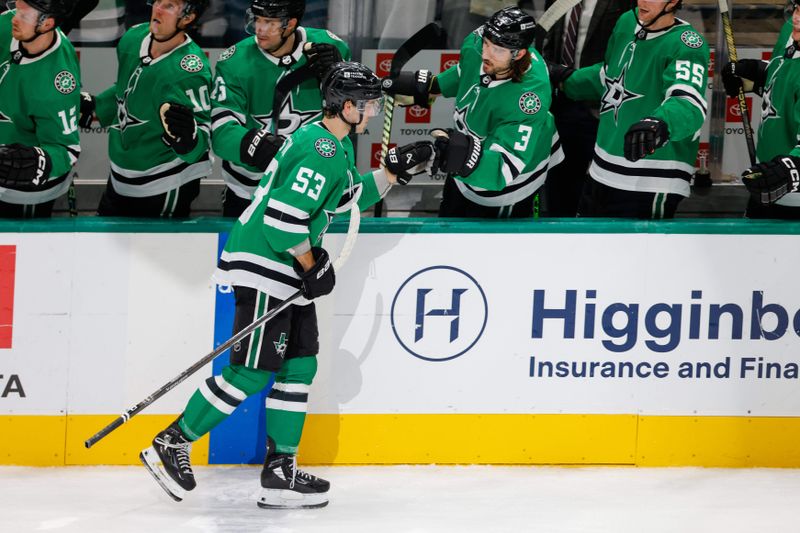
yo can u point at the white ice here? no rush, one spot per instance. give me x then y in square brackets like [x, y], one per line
[410, 499]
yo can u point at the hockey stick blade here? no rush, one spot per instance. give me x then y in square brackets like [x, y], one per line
[554, 13]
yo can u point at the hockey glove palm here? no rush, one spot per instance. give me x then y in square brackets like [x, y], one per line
[770, 181]
[259, 147]
[23, 168]
[645, 137]
[180, 128]
[320, 280]
[410, 88]
[456, 153]
[748, 74]
[409, 160]
[88, 105]
[321, 56]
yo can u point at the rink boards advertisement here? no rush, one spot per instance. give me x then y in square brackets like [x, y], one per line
[541, 343]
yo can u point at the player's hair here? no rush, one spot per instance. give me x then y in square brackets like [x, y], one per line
[520, 66]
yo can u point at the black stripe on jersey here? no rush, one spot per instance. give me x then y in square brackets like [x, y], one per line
[510, 164]
[281, 216]
[636, 171]
[298, 397]
[510, 188]
[221, 394]
[686, 94]
[554, 149]
[51, 183]
[259, 270]
[224, 114]
[74, 152]
[238, 176]
[155, 177]
[348, 195]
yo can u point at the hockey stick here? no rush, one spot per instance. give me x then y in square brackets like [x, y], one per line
[347, 247]
[748, 128]
[554, 13]
[286, 85]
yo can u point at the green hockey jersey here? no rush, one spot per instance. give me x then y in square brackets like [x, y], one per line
[512, 121]
[142, 164]
[39, 106]
[312, 178]
[659, 74]
[244, 87]
[779, 132]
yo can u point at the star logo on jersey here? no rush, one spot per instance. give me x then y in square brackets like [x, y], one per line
[325, 147]
[290, 118]
[124, 119]
[281, 345]
[692, 39]
[65, 82]
[460, 119]
[192, 63]
[616, 95]
[768, 110]
[530, 103]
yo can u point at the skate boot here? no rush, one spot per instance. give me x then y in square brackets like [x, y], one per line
[171, 449]
[284, 486]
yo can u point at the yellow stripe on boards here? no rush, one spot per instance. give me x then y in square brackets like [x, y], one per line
[444, 439]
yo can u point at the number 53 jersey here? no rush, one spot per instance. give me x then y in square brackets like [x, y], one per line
[659, 74]
[141, 163]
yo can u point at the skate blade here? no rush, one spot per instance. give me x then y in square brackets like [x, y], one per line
[151, 461]
[289, 499]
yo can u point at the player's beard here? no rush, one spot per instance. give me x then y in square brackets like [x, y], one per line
[492, 69]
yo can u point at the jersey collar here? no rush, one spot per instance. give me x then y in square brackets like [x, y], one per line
[144, 49]
[487, 82]
[19, 56]
[643, 34]
[791, 50]
[289, 59]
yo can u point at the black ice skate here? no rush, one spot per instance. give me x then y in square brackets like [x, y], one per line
[284, 486]
[171, 449]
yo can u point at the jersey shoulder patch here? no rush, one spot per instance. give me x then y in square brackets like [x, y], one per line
[228, 53]
[65, 82]
[692, 39]
[192, 63]
[325, 147]
[333, 35]
[530, 103]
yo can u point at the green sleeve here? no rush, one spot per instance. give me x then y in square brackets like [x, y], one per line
[370, 195]
[585, 83]
[193, 92]
[56, 129]
[796, 120]
[229, 108]
[449, 80]
[106, 106]
[684, 107]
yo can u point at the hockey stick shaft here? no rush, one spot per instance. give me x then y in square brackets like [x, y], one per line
[555, 12]
[347, 247]
[742, 102]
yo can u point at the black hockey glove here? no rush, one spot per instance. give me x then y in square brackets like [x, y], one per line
[644, 137]
[558, 74]
[180, 128]
[259, 147]
[321, 56]
[770, 181]
[456, 153]
[320, 280]
[409, 160]
[24, 168]
[88, 105]
[749, 74]
[410, 88]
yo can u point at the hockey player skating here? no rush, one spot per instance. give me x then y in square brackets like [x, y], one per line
[497, 157]
[274, 249]
[159, 113]
[39, 103]
[773, 183]
[651, 90]
[243, 133]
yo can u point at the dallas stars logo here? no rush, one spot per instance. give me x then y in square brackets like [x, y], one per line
[280, 345]
[616, 95]
[124, 118]
[192, 63]
[768, 110]
[530, 103]
[65, 82]
[325, 147]
[289, 120]
[691, 39]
